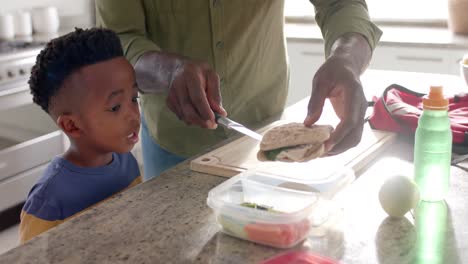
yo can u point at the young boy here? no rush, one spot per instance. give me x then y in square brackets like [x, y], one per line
[89, 89]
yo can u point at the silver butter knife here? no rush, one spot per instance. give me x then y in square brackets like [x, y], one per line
[229, 124]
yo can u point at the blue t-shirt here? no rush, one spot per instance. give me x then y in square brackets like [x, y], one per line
[65, 190]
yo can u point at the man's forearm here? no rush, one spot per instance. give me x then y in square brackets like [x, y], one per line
[155, 71]
[355, 49]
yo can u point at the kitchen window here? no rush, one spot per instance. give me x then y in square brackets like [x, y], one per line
[384, 11]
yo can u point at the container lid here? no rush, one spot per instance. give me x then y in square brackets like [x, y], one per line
[327, 179]
[283, 197]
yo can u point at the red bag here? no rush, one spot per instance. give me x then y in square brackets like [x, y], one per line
[399, 108]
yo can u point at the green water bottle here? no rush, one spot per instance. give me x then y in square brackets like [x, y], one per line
[432, 225]
[433, 147]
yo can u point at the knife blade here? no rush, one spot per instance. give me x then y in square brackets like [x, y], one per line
[230, 124]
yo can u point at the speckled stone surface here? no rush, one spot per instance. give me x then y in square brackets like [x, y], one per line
[166, 220]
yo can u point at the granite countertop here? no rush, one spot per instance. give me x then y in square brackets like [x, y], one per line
[166, 220]
[414, 36]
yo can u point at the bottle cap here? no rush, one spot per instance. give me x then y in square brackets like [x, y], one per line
[435, 100]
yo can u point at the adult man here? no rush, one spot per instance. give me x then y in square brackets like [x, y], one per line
[194, 51]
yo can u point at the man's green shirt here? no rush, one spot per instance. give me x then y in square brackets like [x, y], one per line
[243, 40]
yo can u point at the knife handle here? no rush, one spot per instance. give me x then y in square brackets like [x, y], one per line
[223, 121]
[217, 116]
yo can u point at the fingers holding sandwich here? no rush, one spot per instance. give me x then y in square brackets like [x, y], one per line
[350, 106]
[344, 137]
[337, 82]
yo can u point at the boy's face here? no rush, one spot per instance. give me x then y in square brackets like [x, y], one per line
[108, 117]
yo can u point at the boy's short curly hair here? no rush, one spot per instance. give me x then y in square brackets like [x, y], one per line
[66, 54]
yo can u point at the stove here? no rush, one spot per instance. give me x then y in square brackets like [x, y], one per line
[19, 46]
[16, 60]
[29, 138]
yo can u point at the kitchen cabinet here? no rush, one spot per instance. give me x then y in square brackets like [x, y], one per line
[304, 61]
[30, 140]
[305, 57]
[417, 59]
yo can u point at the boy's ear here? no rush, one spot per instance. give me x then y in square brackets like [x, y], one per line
[68, 124]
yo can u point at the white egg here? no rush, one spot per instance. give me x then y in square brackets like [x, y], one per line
[398, 195]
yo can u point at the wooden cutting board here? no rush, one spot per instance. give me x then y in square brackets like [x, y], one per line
[241, 155]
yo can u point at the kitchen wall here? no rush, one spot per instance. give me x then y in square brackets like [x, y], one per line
[72, 12]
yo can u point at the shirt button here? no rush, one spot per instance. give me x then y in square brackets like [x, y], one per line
[220, 44]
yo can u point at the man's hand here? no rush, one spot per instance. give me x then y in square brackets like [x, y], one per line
[192, 87]
[338, 80]
[194, 94]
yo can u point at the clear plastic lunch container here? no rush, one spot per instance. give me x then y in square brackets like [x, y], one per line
[277, 210]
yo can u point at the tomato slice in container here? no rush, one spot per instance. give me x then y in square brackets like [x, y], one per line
[278, 235]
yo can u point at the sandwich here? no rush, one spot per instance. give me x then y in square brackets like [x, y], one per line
[294, 142]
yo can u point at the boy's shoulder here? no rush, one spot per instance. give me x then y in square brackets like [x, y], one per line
[65, 189]
[41, 201]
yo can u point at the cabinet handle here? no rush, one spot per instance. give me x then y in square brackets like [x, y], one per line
[426, 59]
[312, 53]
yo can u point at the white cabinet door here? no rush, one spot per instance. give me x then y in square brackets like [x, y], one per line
[31, 153]
[14, 190]
[415, 59]
[304, 61]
